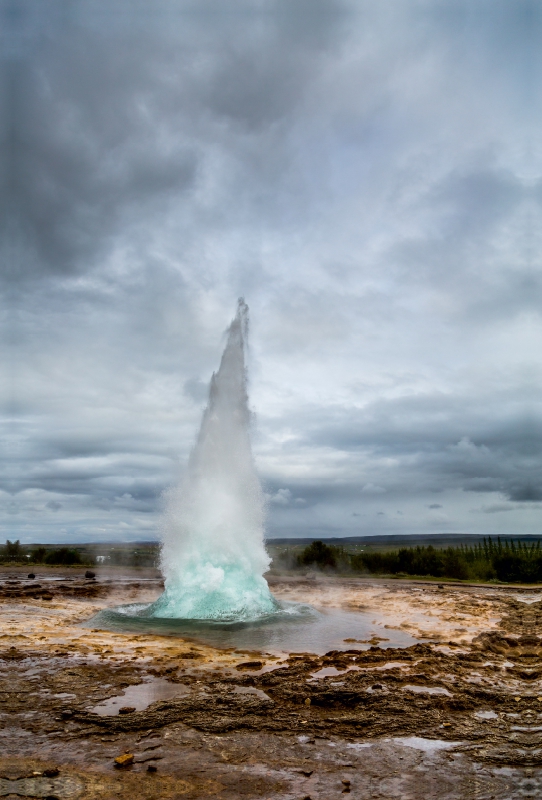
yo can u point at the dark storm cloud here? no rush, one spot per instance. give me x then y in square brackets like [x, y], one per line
[104, 125]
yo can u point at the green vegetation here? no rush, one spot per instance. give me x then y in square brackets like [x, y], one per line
[15, 553]
[143, 554]
[320, 554]
[488, 560]
[506, 561]
[64, 556]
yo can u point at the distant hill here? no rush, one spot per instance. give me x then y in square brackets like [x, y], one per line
[401, 540]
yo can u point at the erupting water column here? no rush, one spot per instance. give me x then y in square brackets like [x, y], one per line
[213, 553]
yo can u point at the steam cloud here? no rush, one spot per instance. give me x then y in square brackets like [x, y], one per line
[213, 555]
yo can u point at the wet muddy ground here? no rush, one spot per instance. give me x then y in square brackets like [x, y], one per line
[456, 715]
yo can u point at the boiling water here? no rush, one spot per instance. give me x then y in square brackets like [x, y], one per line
[213, 554]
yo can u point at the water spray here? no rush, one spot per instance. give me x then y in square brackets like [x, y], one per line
[213, 555]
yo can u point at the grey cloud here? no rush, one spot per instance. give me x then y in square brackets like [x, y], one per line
[108, 129]
[425, 442]
[196, 389]
[362, 175]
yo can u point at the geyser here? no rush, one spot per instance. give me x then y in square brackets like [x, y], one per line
[213, 555]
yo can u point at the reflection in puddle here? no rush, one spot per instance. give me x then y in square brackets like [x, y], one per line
[330, 672]
[297, 628]
[528, 599]
[426, 689]
[418, 743]
[333, 671]
[486, 715]
[251, 690]
[140, 696]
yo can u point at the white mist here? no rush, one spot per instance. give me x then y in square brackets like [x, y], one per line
[213, 554]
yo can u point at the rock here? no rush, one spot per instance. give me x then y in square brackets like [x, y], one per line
[31, 576]
[377, 686]
[307, 701]
[126, 709]
[152, 768]
[51, 772]
[250, 665]
[124, 760]
[90, 574]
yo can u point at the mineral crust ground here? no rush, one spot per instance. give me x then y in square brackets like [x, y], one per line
[456, 715]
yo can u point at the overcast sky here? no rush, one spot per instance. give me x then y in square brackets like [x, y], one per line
[368, 175]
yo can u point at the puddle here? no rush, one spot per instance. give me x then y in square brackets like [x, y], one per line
[332, 672]
[326, 672]
[528, 598]
[297, 628]
[251, 690]
[426, 689]
[526, 728]
[486, 715]
[418, 743]
[140, 696]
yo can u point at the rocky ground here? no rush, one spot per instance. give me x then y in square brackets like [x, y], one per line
[459, 716]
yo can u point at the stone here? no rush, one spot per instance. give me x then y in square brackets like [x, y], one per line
[90, 574]
[51, 772]
[126, 709]
[124, 760]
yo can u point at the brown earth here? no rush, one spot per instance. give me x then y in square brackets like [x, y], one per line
[459, 717]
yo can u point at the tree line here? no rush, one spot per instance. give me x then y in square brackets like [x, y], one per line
[14, 552]
[506, 561]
